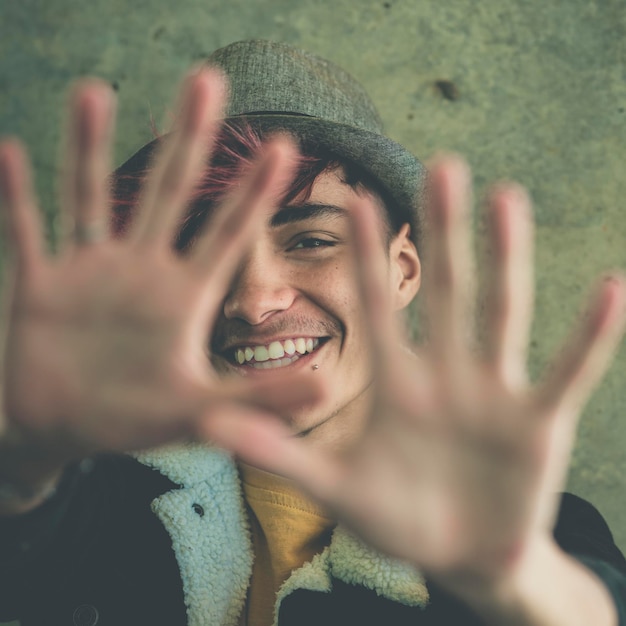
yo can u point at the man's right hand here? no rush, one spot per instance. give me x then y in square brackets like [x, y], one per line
[106, 347]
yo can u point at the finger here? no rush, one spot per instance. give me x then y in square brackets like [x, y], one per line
[182, 159]
[509, 296]
[449, 262]
[284, 396]
[403, 379]
[267, 443]
[84, 186]
[24, 229]
[588, 354]
[219, 250]
[373, 278]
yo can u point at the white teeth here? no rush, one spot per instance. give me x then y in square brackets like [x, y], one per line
[264, 357]
[268, 365]
[276, 350]
[261, 354]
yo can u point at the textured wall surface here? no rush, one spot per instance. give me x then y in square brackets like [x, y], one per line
[539, 96]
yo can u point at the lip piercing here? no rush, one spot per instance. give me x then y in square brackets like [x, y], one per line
[315, 367]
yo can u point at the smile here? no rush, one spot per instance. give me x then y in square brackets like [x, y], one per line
[276, 354]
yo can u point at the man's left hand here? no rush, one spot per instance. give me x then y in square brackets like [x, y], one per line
[459, 468]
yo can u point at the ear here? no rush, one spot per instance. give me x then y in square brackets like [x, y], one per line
[406, 269]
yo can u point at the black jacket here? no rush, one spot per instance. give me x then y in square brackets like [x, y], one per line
[163, 539]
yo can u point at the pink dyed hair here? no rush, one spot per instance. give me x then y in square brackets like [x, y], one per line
[235, 148]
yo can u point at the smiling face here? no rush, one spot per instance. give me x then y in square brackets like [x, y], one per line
[294, 304]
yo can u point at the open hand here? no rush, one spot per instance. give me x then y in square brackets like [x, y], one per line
[107, 340]
[459, 467]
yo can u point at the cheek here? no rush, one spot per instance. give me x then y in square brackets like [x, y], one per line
[332, 287]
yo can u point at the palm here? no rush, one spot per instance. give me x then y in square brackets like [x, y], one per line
[98, 335]
[449, 482]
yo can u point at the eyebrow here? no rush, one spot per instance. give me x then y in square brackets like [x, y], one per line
[308, 210]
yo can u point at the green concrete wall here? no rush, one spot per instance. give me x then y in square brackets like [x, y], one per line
[540, 97]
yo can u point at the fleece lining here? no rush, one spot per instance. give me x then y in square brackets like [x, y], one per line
[206, 520]
[207, 523]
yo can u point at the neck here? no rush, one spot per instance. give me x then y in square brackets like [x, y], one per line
[341, 428]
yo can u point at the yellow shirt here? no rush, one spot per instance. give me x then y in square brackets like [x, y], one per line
[287, 529]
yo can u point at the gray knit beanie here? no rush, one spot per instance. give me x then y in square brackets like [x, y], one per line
[276, 86]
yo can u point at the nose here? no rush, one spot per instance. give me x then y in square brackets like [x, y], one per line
[259, 289]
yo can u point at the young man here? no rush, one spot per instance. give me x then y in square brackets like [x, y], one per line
[431, 474]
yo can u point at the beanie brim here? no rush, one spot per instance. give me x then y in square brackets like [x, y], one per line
[402, 175]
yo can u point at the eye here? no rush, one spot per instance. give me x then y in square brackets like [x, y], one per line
[309, 243]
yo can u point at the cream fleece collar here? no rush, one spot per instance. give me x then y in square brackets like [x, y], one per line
[207, 523]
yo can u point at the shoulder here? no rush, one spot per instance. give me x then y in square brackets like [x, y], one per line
[581, 530]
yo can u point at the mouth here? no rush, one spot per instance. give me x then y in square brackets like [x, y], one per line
[275, 354]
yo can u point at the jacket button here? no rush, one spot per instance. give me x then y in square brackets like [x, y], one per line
[198, 509]
[86, 615]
